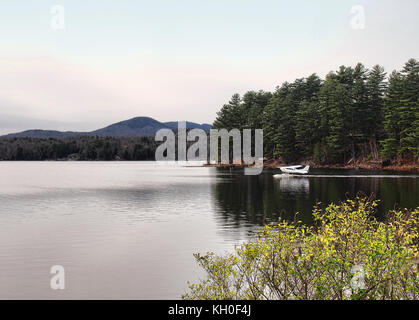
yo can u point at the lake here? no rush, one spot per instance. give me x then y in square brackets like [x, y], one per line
[128, 230]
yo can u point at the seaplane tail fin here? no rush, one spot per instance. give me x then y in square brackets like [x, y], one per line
[306, 168]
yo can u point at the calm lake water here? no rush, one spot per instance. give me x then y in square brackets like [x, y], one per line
[128, 229]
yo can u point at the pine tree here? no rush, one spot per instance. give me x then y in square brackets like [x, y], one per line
[283, 133]
[391, 115]
[402, 113]
[270, 121]
[230, 116]
[252, 108]
[376, 86]
[334, 100]
[409, 110]
[307, 117]
[306, 127]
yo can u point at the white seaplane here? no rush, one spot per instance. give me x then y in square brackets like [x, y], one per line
[295, 169]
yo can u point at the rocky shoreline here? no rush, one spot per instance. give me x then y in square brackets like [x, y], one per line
[356, 165]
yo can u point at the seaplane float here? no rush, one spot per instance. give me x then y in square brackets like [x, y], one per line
[295, 169]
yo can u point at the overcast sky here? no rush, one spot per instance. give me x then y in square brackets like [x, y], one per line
[179, 60]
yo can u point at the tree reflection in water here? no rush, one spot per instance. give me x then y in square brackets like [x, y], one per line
[242, 201]
[294, 184]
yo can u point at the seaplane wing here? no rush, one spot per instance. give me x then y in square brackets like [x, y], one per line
[292, 167]
[295, 169]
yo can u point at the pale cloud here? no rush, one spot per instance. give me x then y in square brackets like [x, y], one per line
[47, 88]
[180, 60]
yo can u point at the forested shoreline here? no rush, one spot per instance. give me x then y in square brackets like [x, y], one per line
[353, 113]
[78, 148]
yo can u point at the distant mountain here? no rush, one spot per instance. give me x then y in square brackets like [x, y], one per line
[189, 125]
[38, 133]
[135, 127]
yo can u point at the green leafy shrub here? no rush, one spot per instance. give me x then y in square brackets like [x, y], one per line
[346, 254]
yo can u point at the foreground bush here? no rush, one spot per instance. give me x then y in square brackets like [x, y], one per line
[347, 254]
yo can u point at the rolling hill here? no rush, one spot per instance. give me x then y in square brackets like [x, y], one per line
[135, 127]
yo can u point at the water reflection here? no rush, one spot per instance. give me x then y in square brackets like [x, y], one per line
[293, 184]
[243, 200]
